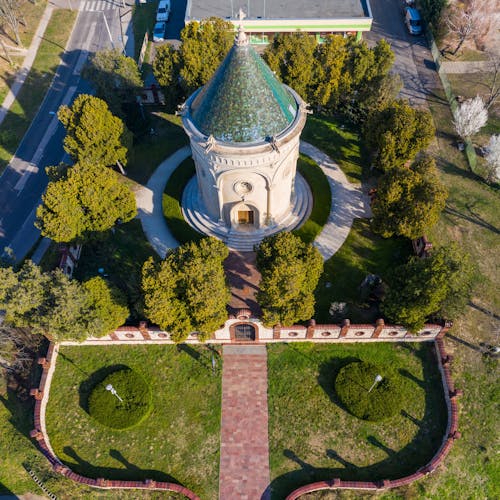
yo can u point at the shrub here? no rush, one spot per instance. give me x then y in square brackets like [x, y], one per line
[135, 392]
[353, 383]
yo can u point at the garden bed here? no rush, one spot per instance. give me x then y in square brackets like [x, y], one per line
[177, 442]
[312, 438]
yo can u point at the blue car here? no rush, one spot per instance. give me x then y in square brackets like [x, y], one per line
[159, 32]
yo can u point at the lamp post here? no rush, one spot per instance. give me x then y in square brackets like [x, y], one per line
[378, 379]
[112, 390]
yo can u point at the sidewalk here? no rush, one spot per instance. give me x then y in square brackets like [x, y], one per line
[27, 63]
[244, 449]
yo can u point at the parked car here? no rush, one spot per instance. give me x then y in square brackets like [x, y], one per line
[163, 12]
[159, 32]
[413, 21]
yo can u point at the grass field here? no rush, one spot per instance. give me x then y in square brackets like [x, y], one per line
[178, 442]
[339, 140]
[147, 154]
[361, 254]
[312, 438]
[172, 199]
[322, 199]
[121, 255]
[37, 82]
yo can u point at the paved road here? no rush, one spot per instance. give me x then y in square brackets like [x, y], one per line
[414, 61]
[24, 180]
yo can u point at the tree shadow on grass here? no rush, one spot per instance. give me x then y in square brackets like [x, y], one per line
[94, 379]
[128, 471]
[429, 431]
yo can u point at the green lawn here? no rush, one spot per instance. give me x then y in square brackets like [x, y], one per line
[121, 254]
[38, 81]
[149, 152]
[361, 254]
[339, 140]
[172, 199]
[178, 442]
[312, 438]
[471, 219]
[322, 201]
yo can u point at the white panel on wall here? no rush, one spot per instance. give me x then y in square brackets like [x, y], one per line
[130, 335]
[392, 332]
[360, 332]
[326, 333]
[293, 333]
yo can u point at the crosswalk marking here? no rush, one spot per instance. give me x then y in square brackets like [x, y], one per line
[99, 5]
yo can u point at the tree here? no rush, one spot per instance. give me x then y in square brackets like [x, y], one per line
[292, 58]
[52, 305]
[441, 283]
[328, 77]
[408, 200]
[166, 65]
[115, 76]
[10, 14]
[106, 307]
[397, 133]
[93, 134]
[187, 291]
[469, 19]
[290, 273]
[493, 159]
[88, 198]
[494, 82]
[470, 117]
[204, 46]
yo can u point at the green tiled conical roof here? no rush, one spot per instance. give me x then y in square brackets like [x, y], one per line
[243, 101]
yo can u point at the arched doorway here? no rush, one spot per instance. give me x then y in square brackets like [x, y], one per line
[244, 217]
[244, 332]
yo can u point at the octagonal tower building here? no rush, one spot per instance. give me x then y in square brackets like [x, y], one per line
[244, 128]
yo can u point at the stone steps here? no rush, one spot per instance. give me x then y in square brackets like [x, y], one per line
[194, 213]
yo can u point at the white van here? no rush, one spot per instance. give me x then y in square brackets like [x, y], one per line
[163, 12]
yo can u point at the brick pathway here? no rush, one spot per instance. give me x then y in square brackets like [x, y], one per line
[244, 456]
[244, 279]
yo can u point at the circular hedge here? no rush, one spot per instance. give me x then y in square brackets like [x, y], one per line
[353, 383]
[135, 392]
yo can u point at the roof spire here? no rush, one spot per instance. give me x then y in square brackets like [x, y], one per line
[241, 38]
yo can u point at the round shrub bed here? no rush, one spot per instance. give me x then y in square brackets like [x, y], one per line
[135, 392]
[353, 384]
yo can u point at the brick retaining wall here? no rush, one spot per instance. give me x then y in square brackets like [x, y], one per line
[39, 434]
[451, 434]
[344, 332]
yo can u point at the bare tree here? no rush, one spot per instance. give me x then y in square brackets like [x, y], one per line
[11, 15]
[494, 85]
[470, 117]
[17, 346]
[492, 157]
[469, 19]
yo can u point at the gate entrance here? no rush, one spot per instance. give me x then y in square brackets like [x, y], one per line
[244, 332]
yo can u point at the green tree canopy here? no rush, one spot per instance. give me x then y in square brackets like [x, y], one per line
[166, 65]
[51, 304]
[115, 76]
[204, 46]
[440, 284]
[409, 200]
[397, 133]
[106, 306]
[292, 58]
[187, 291]
[88, 198]
[93, 134]
[290, 272]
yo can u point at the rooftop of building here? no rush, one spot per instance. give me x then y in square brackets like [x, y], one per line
[279, 9]
[243, 102]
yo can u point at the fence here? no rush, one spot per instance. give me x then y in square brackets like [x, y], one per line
[470, 152]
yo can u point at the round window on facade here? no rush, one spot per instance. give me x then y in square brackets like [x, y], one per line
[293, 334]
[326, 334]
[242, 187]
[359, 334]
[393, 333]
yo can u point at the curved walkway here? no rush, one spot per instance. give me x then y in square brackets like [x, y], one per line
[348, 203]
[149, 204]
